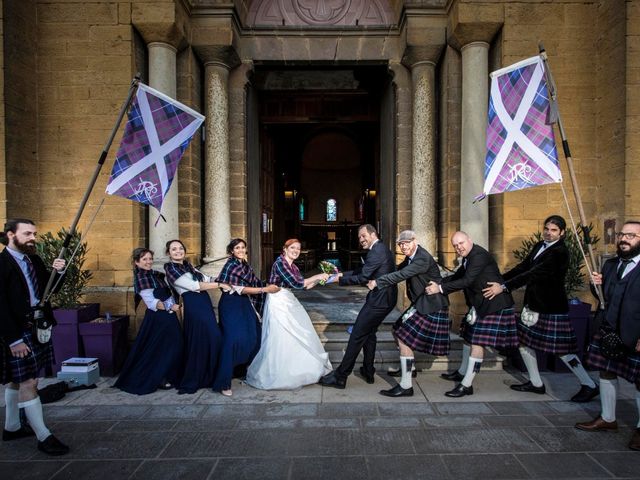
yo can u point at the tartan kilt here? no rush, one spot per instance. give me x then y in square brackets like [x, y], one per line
[18, 370]
[552, 333]
[627, 368]
[494, 330]
[425, 333]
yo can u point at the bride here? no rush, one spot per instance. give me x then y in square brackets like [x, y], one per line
[291, 354]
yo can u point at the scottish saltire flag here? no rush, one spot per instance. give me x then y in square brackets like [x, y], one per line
[157, 133]
[521, 147]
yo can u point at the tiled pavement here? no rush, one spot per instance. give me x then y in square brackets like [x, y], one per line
[329, 434]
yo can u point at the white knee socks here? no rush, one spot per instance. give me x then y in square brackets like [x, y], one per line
[33, 409]
[406, 364]
[531, 362]
[572, 362]
[12, 411]
[472, 369]
[466, 352]
[608, 399]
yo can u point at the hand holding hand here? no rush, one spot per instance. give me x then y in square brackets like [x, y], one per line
[432, 288]
[271, 289]
[59, 263]
[492, 289]
[371, 284]
[596, 278]
[20, 350]
[224, 287]
[175, 307]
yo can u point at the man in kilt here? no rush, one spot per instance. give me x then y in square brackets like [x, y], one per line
[620, 280]
[543, 272]
[490, 322]
[23, 277]
[425, 325]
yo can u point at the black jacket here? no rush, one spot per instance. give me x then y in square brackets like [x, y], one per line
[422, 270]
[480, 269]
[14, 295]
[379, 261]
[544, 277]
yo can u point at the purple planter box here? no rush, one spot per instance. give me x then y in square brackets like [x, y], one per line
[107, 341]
[65, 335]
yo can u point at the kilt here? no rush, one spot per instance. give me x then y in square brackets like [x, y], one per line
[494, 330]
[18, 370]
[425, 333]
[627, 368]
[552, 333]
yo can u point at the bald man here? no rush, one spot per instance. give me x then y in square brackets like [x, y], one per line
[489, 323]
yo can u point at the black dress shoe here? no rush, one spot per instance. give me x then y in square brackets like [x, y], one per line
[368, 378]
[398, 391]
[52, 446]
[332, 380]
[454, 376]
[528, 387]
[586, 394]
[397, 372]
[23, 432]
[460, 391]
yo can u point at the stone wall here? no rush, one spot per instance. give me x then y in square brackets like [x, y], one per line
[3, 157]
[632, 117]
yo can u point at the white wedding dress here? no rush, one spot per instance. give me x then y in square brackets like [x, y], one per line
[291, 354]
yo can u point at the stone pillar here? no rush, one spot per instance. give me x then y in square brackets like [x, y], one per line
[424, 199]
[474, 218]
[217, 211]
[162, 77]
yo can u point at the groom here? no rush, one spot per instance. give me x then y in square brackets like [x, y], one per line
[378, 304]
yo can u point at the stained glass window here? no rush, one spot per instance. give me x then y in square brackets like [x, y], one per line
[332, 210]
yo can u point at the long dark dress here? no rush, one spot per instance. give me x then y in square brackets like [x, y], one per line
[238, 321]
[202, 337]
[156, 355]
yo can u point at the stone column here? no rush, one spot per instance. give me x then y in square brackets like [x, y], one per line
[162, 77]
[217, 211]
[474, 218]
[424, 193]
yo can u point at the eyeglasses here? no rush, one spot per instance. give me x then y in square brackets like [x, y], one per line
[627, 235]
[404, 243]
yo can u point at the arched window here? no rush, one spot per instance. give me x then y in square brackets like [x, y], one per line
[332, 210]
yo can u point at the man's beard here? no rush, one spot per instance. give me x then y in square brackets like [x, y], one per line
[29, 249]
[629, 253]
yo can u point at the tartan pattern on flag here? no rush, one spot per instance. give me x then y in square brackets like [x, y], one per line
[158, 131]
[552, 333]
[627, 368]
[521, 147]
[493, 330]
[426, 333]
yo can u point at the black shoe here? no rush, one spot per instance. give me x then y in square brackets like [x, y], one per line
[332, 380]
[23, 432]
[368, 378]
[528, 387]
[398, 391]
[454, 376]
[460, 391]
[586, 394]
[52, 446]
[397, 372]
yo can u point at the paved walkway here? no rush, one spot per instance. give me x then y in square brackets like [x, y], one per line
[321, 433]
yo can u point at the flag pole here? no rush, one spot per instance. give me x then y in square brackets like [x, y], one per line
[555, 118]
[103, 156]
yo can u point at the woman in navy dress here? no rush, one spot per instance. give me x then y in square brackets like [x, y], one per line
[155, 360]
[202, 337]
[239, 309]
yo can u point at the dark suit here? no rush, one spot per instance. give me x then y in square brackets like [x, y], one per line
[378, 304]
[422, 270]
[480, 268]
[622, 300]
[544, 277]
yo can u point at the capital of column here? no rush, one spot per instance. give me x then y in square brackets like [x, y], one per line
[472, 22]
[160, 22]
[426, 55]
[218, 55]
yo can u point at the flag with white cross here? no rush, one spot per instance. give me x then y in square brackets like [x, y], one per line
[521, 146]
[158, 131]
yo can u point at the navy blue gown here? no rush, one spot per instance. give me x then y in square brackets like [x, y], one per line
[238, 321]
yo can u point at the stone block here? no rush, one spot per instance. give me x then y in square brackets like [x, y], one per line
[94, 13]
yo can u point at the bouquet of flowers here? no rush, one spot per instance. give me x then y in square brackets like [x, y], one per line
[328, 268]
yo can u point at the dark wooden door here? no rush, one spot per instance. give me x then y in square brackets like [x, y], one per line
[267, 200]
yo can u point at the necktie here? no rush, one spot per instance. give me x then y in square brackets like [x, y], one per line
[623, 266]
[33, 278]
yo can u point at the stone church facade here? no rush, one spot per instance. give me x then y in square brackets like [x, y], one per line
[380, 104]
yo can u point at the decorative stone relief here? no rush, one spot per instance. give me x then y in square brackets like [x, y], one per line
[322, 13]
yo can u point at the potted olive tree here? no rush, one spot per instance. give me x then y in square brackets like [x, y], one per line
[68, 311]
